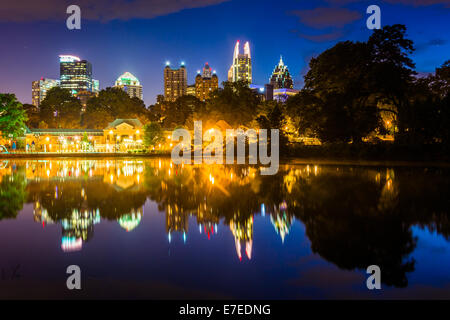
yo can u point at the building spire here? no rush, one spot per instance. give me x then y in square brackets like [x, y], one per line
[281, 63]
[247, 49]
[236, 51]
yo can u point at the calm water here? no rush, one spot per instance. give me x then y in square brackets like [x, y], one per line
[149, 229]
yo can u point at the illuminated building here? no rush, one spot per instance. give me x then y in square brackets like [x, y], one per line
[190, 91]
[130, 84]
[77, 228]
[119, 136]
[281, 78]
[175, 82]
[130, 221]
[243, 234]
[75, 74]
[206, 83]
[241, 69]
[39, 89]
[95, 86]
[281, 221]
[282, 95]
[176, 221]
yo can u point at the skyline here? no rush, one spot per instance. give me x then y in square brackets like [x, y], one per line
[142, 45]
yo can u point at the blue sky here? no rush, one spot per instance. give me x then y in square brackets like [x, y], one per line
[139, 36]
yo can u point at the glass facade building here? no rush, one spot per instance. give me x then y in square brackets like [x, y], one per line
[75, 74]
[39, 89]
[241, 69]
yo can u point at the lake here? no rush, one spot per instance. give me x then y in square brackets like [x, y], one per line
[146, 228]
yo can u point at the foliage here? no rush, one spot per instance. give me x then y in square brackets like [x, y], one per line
[153, 134]
[12, 116]
[111, 104]
[12, 195]
[60, 109]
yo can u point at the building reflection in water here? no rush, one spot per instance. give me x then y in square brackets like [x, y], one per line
[352, 216]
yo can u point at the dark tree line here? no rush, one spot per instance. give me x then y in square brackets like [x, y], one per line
[351, 85]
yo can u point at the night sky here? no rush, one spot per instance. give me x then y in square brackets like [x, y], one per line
[139, 36]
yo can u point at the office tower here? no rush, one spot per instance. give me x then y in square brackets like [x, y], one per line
[281, 78]
[75, 74]
[39, 89]
[95, 86]
[241, 69]
[175, 82]
[190, 91]
[130, 84]
[205, 83]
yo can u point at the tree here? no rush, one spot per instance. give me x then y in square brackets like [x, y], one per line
[32, 115]
[391, 71]
[60, 109]
[338, 104]
[273, 117]
[111, 104]
[153, 134]
[12, 116]
[235, 103]
[12, 195]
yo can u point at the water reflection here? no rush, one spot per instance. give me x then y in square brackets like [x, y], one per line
[353, 216]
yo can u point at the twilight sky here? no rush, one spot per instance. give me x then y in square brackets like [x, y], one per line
[140, 35]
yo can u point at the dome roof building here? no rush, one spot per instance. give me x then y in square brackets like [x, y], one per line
[130, 84]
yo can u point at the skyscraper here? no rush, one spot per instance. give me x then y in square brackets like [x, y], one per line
[281, 78]
[75, 74]
[205, 83]
[130, 84]
[39, 89]
[241, 69]
[175, 82]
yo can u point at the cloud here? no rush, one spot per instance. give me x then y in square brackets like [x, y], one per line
[415, 3]
[327, 17]
[103, 10]
[420, 3]
[325, 37]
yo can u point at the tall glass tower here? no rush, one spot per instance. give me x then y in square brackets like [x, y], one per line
[75, 74]
[241, 69]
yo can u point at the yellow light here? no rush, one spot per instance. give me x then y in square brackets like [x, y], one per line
[47, 139]
[137, 131]
[110, 132]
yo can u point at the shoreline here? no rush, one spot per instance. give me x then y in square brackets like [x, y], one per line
[290, 160]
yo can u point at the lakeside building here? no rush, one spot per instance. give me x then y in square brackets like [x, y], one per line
[205, 83]
[175, 82]
[75, 74]
[281, 78]
[120, 135]
[130, 84]
[39, 89]
[241, 68]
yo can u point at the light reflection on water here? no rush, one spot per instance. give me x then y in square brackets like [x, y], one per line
[309, 231]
